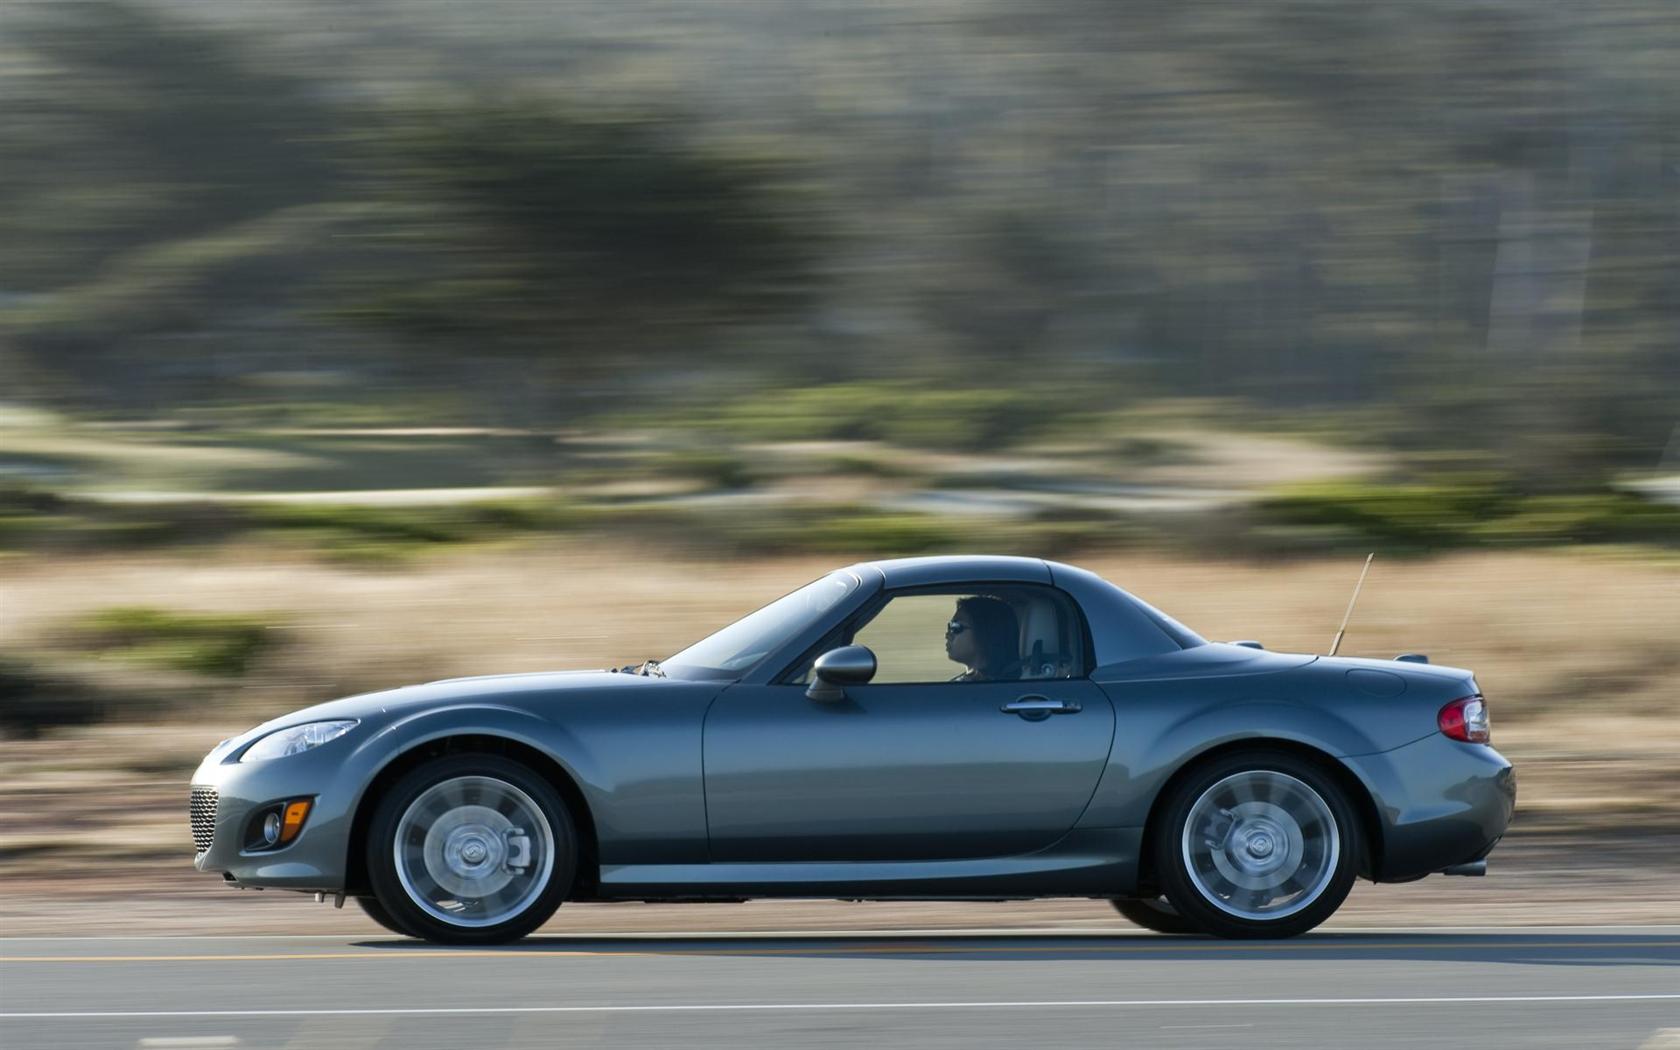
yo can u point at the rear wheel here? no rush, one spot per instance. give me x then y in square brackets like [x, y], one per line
[1258, 844]
[1157, 914]
[471, 849]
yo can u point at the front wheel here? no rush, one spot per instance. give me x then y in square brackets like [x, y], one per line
[376, 911]
[471, 849]
[1258, 844]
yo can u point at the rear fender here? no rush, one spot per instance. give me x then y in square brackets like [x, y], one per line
[1152, 744]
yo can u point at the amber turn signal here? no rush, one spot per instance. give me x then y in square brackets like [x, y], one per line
[292, 822]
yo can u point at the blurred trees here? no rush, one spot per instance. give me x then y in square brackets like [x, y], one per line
[192, 216]
[516, 228]
[125, 129]
[1464, 211]
[1456, 220]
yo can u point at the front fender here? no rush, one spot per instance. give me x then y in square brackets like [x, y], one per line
[638, 772]
[480, 719]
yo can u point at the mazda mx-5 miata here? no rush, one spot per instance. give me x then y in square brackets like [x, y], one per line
[929, 728]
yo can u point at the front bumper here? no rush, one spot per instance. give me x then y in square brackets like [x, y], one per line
[1440, 802]
[316, 858]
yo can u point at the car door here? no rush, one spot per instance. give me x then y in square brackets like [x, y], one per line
[913, 765]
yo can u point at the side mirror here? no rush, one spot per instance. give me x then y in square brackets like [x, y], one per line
[838, 668]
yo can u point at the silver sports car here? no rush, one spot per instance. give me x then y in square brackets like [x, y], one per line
[951, 728]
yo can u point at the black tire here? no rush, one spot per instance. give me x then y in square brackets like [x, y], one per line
[405, 909]
[1331, 863]
[1157, 915]
[376, 911]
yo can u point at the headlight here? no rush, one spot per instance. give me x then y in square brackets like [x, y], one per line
[283, 742]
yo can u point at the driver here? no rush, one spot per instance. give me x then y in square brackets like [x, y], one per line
[984, 636]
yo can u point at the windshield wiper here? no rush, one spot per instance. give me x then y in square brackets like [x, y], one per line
[647, 669]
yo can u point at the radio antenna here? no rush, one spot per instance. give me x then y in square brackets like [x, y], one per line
[1337, 644]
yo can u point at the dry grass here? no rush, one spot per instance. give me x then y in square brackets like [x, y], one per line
[1576, 653]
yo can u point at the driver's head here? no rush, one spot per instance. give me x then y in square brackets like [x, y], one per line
[983, 634]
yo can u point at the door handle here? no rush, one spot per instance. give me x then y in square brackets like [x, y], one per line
[1033, 708]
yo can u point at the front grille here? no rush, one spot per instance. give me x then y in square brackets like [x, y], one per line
[201, 810]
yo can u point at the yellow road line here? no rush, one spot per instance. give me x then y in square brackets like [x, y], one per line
[862, 949]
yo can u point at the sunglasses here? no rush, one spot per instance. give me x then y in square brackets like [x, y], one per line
[955, 627]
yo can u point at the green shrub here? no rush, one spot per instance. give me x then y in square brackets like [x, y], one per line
[30, 516]
[217, 644]
[31, 701]
[521, 515]
[1598, 517]
[36, 519]
[899, 413]
[714, 468]
[379, 535]
[834, 529]
[1405, 515]
[1461, 512]
[32, 519]
[393, 524]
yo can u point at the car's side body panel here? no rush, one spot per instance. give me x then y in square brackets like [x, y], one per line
[1083, 863]
[899, 772]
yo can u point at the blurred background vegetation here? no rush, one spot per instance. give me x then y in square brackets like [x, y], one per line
[745, 278]
[344, 345]
[1444, 230]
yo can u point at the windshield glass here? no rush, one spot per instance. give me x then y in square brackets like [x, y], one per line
[734, 650]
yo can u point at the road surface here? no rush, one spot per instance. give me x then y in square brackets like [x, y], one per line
[1568, 987]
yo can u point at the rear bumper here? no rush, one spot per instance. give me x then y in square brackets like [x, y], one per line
[1439, 802]
[315, 860]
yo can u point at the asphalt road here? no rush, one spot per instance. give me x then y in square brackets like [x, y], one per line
[1569, 987]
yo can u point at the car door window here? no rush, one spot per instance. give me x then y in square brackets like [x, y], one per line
[908, 638]
[1003, 633]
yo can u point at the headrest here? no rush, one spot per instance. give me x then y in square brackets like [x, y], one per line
[1040, 625]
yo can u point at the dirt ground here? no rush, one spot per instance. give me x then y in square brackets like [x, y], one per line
[1576, 653]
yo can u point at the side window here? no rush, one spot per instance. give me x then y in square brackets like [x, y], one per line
[1001, 633]
[908, 637]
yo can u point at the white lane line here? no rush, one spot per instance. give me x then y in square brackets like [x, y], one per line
[1021, 1004]
[1116, 930]
[183, 1042]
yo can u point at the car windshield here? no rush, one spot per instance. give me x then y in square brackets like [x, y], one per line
[735, 649]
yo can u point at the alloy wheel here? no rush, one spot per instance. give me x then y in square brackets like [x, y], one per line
[473, 851]
[1260, 845]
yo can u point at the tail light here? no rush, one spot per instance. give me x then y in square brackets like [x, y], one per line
[1466, 719]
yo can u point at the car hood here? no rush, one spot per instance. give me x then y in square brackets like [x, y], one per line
[390, 704]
